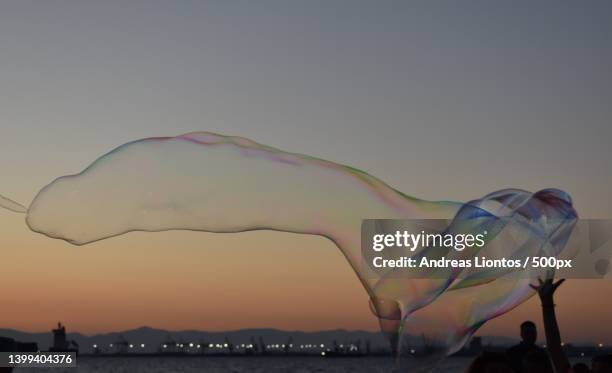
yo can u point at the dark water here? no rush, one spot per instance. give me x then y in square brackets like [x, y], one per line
[259, 365]
[249, 365]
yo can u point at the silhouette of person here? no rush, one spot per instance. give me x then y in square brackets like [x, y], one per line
[517, 353]
[546, 290]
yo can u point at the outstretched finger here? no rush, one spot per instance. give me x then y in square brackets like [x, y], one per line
[558, 283]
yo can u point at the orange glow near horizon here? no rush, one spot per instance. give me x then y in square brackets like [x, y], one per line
[192, 280]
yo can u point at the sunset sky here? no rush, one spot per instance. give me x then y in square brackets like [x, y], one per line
[442, 102]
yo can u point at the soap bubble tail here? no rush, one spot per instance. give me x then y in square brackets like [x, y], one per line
[11, 205]
[391, 329]
[390, 320]
[397, 348]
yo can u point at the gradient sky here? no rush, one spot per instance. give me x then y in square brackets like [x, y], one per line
[442, 101]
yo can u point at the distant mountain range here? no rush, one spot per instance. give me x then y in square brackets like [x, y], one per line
[154, 338]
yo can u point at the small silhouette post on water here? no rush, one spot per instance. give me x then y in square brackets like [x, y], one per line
[60, 343]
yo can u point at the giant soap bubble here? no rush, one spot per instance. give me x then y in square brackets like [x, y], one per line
[439, 314]
[208, 182]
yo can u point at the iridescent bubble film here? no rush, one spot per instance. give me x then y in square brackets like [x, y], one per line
[445, 311]
[208, 182]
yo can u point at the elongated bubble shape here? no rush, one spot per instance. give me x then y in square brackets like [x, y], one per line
[208, 182]
[11, 205]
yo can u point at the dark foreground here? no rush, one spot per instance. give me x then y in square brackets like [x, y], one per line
[242, 365]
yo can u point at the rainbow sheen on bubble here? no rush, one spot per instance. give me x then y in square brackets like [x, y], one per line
[446, 311]
[208, 182]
